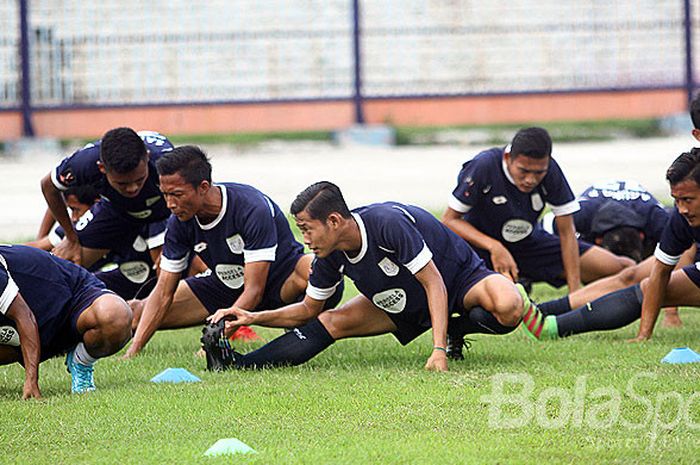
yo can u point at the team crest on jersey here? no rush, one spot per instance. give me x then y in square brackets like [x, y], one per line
[236, 244]
[141, 215]
[391, 300]
[200, 247]
[486, 189]
[499, 200]
[516, 230]
[136, 272]
[388, 267]
[230, 275]
[150, 201]
[536, 201]
[139, 244]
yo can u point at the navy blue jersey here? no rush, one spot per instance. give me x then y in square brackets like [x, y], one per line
[397, 242]
[81, 168]
[613, 204]
[490, 201]
[53, 288]
[249, 228]
[676, 238]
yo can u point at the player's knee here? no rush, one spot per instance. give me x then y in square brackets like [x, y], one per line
[629, 276]
[625, 262]
[114, 317]
[509, 309]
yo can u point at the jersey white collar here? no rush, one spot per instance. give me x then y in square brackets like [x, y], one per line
[219, 217]
[363, 237]
[505, 166]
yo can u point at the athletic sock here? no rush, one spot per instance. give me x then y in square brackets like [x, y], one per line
[293, 348]
[81, 355]
[477, 321]
[556, 306]
[612, 311]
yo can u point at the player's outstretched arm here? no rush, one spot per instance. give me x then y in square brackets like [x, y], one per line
[46, 223]
[69, 248]
[28, 330]
[569, 251]
[654, 292]
[255, 278]
[157, 305]
[431, 280]
[501, 259]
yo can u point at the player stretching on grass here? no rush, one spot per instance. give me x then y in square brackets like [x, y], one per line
[663, 287]
[411, 272]
[49, 306]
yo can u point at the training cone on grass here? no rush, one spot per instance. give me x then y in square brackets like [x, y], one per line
[175, 375]
[681, 355]
[229, 446]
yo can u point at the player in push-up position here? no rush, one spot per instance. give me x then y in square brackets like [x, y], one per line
[49, 306]
[237, 231]
[411, 272]
[663, 287]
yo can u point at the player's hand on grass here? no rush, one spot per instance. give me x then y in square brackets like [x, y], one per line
[68, 249]
[131, 352]
[437, 361]
[31, 390]
[503, 262]
[640, 338]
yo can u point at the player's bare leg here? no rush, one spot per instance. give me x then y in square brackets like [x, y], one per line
[598, 262]
[295, 284]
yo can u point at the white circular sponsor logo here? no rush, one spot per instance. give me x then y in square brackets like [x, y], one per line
[516, 230]
[230, 275]
[391, 300]
[235, 243]
[136, 272]
[9, 336]
[140, 244]
[141, 215]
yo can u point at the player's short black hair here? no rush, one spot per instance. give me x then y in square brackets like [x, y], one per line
[86, 193]
[320, 200]
[686, 166]
[189, 161]
[121, 150]
[695, 111]
[532, 142]
[625, 241]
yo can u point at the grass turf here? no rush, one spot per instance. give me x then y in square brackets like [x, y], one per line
[370, 401]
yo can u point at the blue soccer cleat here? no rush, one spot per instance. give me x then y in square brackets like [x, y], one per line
[82, 379]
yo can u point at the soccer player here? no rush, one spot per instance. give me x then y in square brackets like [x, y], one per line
[239, 233]
[663, 287]
[122, 167]
[499, 197]
[49, 306]
[410, 269]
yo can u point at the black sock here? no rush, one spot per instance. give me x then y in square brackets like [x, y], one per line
[556, 306]
[292, 348]
[477, 321]
[612, 311]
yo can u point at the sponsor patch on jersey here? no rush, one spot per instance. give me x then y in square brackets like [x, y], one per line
[516, 230]
[536, 201]
[152, 200]
[136, 272]
[200, 247]
[143, 214]
[391, 300]
[230, 275]
[235, 243]
[499, 200]
[9, 336]
[388, 267]
[140, 244]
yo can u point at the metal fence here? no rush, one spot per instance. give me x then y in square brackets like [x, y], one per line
[130, 53]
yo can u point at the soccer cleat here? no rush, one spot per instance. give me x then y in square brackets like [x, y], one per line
[534, 322]
[245, 334]
[82, 379]
[455, 345]
[220, 356]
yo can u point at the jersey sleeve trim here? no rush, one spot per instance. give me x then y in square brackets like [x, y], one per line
[457, 206]
[566, 209]
[56, 182]
[422, 259]
[174, 266]
[319, 293]
[8, 295]
[665, 258]
[260, 255]
[156, 241]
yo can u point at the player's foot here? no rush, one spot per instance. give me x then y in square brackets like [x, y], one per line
[455, 346]
[245, 334]
[220, 355]
[534, 322]
[82, 379]
[671, 319]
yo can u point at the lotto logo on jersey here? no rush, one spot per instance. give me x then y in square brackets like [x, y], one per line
[391, 300]
[516, 230]
[230, 275]
[388, 267]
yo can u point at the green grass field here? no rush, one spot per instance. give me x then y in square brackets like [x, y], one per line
[370, 401]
